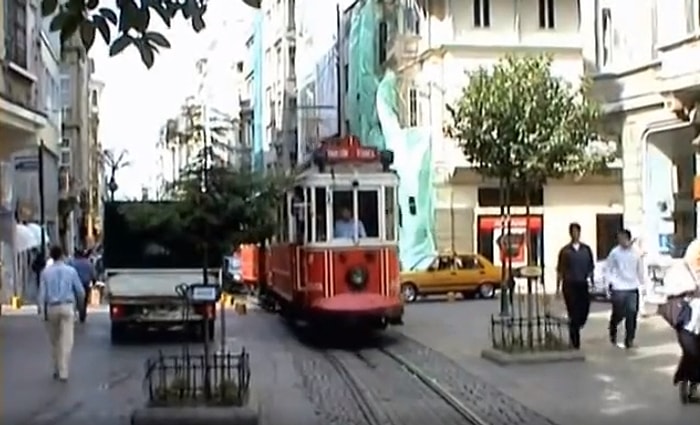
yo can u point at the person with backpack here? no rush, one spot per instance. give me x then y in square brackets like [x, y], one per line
[682, 312]
[86, 271]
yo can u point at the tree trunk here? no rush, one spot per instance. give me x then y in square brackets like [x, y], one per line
[528, 260]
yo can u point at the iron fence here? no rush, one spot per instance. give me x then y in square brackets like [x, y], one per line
[542, 332]
[222, 379]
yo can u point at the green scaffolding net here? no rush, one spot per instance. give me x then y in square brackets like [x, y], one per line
[373, 113]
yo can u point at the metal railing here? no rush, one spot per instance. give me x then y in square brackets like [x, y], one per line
[222, 379]
[543, 332]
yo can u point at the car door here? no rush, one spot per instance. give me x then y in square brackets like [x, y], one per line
[441, 274]
[470, 273]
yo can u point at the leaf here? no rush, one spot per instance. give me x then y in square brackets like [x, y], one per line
[57, 22]
[162, 10]
[108, 14]
[157, 39]
[70, 26]
[87, 34]
[48, 7]
[146, 51]
[128, 15]
[119, 44]
[103, 27]
[197, 23]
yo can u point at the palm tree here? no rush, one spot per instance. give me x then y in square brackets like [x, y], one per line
[114, 162]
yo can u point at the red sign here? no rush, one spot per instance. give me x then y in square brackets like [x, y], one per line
[349, 149]
[494, 222]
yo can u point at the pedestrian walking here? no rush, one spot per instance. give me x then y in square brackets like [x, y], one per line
[625, 270]
[682, 312]
[575, 272]
[88, 276]
[60, 291]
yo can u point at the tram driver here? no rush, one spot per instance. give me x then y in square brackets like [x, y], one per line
[344, 226]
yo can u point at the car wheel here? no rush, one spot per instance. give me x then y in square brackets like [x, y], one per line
[487, 290]
[409, 292]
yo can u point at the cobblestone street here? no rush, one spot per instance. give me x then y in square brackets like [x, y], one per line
[611, 387]
[298, 385]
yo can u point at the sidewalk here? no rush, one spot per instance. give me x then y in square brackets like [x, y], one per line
[612, 386]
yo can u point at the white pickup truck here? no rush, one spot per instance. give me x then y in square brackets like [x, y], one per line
[147, 300]
[144, 268]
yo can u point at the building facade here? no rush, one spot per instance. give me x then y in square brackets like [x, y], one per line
[421, 50]
[651, 87]
[96, 184]
[279, 101]
[76, 71]
[30, 123]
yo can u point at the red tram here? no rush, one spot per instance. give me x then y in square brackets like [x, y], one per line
[335, 255]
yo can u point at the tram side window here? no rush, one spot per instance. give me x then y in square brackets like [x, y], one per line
[368, 211]
[320, 215]
[299, 213]
[390, 212]
[310, 220]
[283, 217]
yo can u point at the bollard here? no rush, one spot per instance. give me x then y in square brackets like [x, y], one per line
[16, 302]
[451, 296]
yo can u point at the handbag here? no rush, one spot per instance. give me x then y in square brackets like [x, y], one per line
[684, 315]
[671, 310]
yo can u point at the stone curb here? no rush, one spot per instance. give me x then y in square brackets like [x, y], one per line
[503, 358]
[228, 415]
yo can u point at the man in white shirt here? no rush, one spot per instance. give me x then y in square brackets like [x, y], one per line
[625, 271]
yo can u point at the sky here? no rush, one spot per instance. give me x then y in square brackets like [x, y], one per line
[136, 101]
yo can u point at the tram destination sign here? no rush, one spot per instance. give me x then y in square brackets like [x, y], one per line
[349, 149]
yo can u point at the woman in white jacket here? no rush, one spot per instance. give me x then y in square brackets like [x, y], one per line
[681, 282]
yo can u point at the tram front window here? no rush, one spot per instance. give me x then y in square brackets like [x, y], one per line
[345, 224]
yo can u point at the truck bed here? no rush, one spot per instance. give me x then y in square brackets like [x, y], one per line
[149, 283]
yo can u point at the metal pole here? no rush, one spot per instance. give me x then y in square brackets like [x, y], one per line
[205, 251]
[339, 71]
[504, 270]
[42, 208]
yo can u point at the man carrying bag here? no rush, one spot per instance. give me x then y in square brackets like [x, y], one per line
[682, 312]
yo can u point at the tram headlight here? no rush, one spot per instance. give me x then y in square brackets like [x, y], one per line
[357, 277]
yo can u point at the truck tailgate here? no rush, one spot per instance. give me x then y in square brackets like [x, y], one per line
[149, 283]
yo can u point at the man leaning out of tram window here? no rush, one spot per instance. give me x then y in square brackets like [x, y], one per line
[344, 226]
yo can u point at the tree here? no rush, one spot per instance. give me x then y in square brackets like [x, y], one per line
[237, 206]
[114, 162]
[126, 24]
[522, 125]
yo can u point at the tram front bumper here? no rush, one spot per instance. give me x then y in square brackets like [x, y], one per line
[360, 304]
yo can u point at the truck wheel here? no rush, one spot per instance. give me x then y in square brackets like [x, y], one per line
[117, 333]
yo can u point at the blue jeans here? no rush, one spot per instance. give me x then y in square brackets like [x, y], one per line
[625, 306]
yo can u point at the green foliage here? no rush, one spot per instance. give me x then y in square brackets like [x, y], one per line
[517, 121]
[126, 24]
[237, 207]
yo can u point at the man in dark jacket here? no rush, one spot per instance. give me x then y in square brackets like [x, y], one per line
[86, 271]
[574, 272]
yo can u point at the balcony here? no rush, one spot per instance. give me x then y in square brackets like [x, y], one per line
[678, 73]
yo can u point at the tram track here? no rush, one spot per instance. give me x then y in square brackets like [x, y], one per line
[378, 402]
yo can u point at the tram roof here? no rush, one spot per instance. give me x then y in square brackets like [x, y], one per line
[343, 157]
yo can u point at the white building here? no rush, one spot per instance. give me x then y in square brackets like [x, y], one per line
[650, 82]
[219, 83]
[279, 117]
[432, 44]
